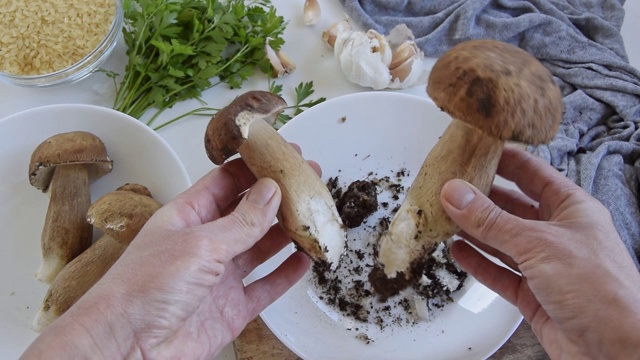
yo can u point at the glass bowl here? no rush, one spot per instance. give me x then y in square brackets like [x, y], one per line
[80, 69]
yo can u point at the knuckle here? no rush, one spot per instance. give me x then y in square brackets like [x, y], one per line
[490, 220]
[244, 223]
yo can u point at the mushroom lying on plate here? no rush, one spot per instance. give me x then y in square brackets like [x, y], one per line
[495, 92]
[120, 215]
[64, 165]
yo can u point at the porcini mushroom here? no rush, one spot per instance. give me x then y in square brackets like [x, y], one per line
[495, 92]
[307, 211]
[64, 165]
[120, 215]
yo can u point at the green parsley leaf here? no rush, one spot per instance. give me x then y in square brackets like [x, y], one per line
[303, 92]
[177, 48]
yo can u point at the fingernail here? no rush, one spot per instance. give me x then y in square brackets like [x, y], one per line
[459, 193]
[261, 192]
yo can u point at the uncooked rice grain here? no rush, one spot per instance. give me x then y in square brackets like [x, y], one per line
[44, 36]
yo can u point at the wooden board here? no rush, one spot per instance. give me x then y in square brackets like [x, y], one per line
[257, 342]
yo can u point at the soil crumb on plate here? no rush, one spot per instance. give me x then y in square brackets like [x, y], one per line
[357, 203]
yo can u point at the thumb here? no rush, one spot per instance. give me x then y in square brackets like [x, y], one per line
[249, 221]
[478, 216]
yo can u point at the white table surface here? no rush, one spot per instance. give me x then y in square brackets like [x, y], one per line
[315, 62]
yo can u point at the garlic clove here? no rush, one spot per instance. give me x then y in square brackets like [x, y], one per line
[286, 62]
[330, 35]
[311, 12]
[403, 53]
[410, 73]
[280, 62]
[402, 71]
[407, 68]
[273, 58]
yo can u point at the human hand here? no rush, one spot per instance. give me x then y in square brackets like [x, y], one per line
[576, 284]
[177, 291]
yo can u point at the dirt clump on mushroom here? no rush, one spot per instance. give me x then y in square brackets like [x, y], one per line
[349, 289]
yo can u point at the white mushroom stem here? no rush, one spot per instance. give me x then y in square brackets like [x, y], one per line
[462, 152]
[65, 234]
[307, 211]
[77, 278]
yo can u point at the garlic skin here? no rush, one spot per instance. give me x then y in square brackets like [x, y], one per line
[311, 12]
[373, 60]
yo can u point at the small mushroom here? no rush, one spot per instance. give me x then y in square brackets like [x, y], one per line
[495, 92]
[120, 215]
[64, 165]
[307, 211]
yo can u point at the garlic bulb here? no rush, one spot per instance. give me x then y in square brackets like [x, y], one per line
[373, 60]
[364, 58]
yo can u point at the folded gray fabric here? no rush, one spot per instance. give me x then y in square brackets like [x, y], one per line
[579, 41]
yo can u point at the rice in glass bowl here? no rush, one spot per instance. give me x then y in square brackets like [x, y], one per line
[49, 42]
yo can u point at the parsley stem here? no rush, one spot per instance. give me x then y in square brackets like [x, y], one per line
[198, 111]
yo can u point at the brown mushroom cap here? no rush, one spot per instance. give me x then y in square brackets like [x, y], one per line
[77, 147]
[228, 128]
[499, 89]
[136, 188]
[122, 213]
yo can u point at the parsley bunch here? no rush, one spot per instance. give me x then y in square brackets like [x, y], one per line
[176, 48]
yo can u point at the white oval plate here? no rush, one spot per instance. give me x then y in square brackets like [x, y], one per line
[139, 155]
[350, 137]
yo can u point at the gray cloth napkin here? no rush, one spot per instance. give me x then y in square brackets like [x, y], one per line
[579, 41]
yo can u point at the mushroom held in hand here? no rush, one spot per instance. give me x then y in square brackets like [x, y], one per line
[120, 214]
[307, 212]
[495, 92]
[64, 165]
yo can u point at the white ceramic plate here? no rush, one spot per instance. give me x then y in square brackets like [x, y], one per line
[350, 137]
[139, 155]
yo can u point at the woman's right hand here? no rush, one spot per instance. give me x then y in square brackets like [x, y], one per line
[573, 279]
